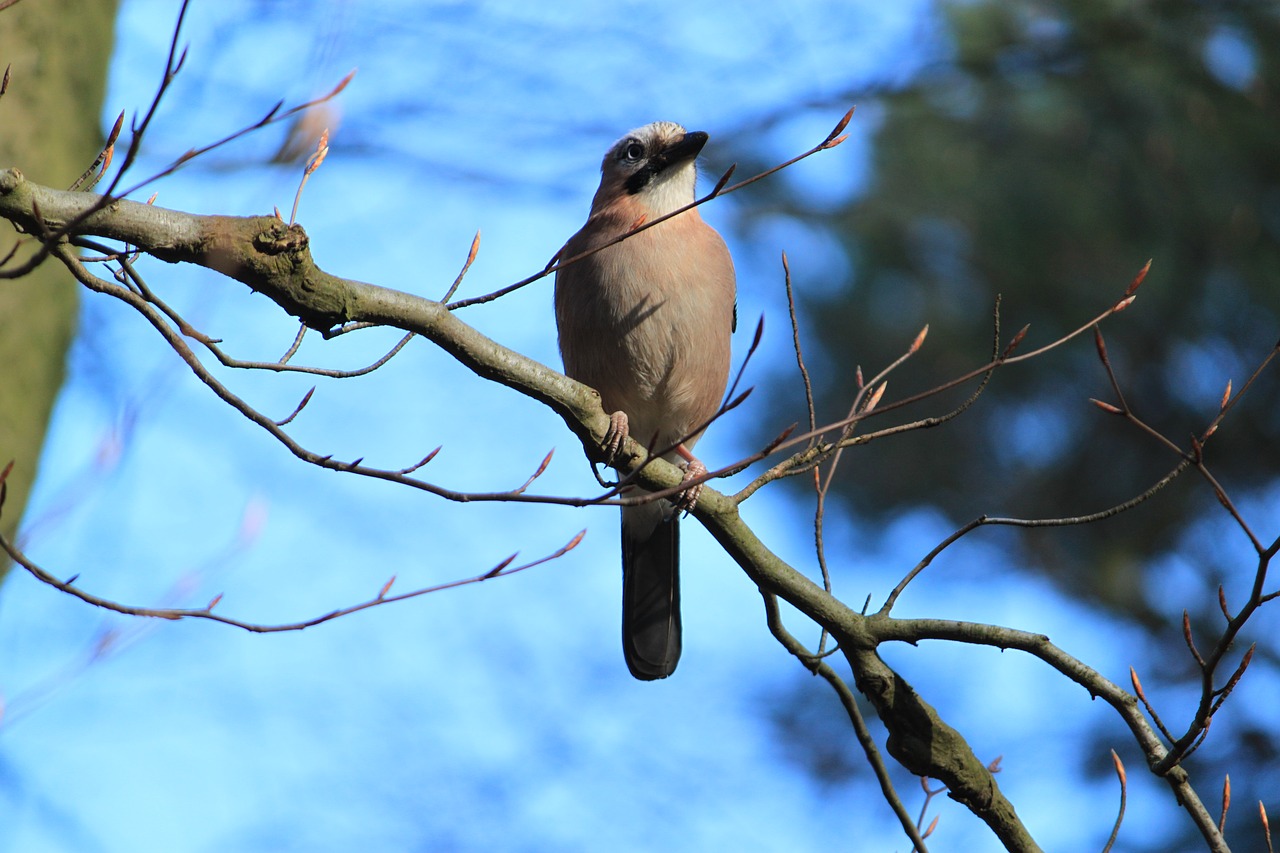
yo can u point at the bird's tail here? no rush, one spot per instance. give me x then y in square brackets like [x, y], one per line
[650, 590]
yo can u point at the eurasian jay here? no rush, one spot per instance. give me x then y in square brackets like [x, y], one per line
[646, 322]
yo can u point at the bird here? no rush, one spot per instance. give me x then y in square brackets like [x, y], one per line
[647, 323]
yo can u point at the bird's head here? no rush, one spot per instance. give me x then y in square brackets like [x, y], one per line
[654, 165]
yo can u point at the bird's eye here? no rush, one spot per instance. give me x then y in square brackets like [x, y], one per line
[634, 151]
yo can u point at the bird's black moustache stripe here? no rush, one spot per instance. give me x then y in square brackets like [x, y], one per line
[638, 181]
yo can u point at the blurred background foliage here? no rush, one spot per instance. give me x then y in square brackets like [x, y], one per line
[1048, 152]
[1062, 146]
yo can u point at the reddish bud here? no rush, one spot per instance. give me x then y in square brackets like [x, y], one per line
[342, 84]
[546, 460]
[1191, 643]
[115, 129]
[924, 333]
[322, 151]
[839, 128]
[1015, 340]
[497, 570]
[875, 397]
[1115, 759]
[724, 179]
[1137, 279]
[1137, 684]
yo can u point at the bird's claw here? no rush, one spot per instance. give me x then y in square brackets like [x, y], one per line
[619, 428]
[688, 499]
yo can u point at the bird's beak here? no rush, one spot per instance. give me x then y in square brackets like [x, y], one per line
[684, 149]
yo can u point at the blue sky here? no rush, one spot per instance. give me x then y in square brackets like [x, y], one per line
[497, 716]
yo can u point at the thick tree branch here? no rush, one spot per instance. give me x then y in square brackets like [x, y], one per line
[1126, 705]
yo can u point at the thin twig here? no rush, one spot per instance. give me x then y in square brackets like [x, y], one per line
[1063, 521]
[815, 664]
[795, 342]
[1151, 711]
[173, 65]
[293, 348]
[833, 139]
[815, 454]
[503, 569]
[313, 163]
[1124, 786]
[138, 284]
[471, 257]
[176, 342]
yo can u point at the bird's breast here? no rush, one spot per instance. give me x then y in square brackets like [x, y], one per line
[647, 322]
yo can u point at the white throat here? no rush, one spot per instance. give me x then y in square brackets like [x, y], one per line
[670, 190]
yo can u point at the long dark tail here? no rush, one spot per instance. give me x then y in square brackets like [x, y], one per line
[650, 590]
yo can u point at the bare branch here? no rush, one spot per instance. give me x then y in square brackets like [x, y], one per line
[313, 163]
[471, 257]
[557, 263]
[914, 630]
[815, 664]
[1115, 830]
[175, 614]
[1063, 521]
[293, 348]
[795, 342]
[1151, 711]
[298, 408]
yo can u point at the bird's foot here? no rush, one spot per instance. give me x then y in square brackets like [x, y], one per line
[619, 428]
[688, 499]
